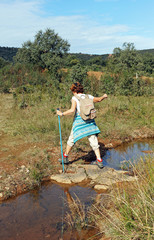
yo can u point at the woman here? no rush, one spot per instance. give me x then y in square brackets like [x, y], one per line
[80, 127]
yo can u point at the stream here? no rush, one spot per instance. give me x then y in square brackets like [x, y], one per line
[39, 214]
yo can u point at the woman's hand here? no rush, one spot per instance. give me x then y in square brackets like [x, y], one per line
[105, 96]
[59, 113]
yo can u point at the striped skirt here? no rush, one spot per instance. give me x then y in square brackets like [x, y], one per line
[83, 128]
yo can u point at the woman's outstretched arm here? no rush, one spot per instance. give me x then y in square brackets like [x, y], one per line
[70, 111]
[99, 99]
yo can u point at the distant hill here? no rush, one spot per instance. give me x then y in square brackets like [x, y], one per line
[151, 51]
[86, 57]
[9, 52]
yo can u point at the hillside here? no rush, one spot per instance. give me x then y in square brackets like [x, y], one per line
[9, 52]
[151, 51]
[86, 57]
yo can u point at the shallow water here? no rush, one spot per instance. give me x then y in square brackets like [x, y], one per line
[37, 215]
[120, 156]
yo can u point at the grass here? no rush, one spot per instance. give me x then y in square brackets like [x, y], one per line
[126, 213]
[131, 216]
[117, 117]
[79, 219]
[37, 166]
[120, 116]
[76, 218]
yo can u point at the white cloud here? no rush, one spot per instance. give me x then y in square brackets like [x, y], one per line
[21, 20]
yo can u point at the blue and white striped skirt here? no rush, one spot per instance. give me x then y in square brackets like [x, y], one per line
[83, 128]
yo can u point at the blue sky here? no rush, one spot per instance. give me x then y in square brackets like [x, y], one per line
[90, 26]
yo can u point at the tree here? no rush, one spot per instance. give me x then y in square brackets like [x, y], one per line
[79, 74]
[97, 61]
[3, 62]
[71, 60]
[148, 61]
[47, 51]
[126, 59]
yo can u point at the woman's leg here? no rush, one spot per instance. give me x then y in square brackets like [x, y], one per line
[93, 140]
[68, 149]
[97, 153]
[70, 143]
[95, 146]
[69, 146]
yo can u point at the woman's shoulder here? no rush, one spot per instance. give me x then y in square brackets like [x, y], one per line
[74, 98]
[90, 96]
[82, 95]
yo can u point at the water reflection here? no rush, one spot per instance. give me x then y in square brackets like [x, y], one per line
[127, 152]
[38, 215]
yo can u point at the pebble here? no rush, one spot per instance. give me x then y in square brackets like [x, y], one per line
[23, 167]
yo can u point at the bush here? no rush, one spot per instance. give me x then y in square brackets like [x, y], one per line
[126, 85]
[108, 84]
[78, 74]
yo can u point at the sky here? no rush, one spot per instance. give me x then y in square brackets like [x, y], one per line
[89, 26]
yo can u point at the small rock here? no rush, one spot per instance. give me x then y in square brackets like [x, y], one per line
[101, 187]
[109, 145]
[23, 167]
[27, 170]
[47, 236]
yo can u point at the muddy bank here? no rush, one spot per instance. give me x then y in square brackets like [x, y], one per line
[24, 166]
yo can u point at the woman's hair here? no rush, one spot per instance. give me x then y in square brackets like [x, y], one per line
[77, 87]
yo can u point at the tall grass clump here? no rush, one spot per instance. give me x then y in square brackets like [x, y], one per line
[132, 214]
[77, 217]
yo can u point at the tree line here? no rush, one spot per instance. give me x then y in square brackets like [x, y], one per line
[46, 63]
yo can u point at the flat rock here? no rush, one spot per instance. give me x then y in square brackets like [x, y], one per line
[74, 175]
[102, 179]
[92, 171]
[112, 176]
[78, 176]
[61, 178]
